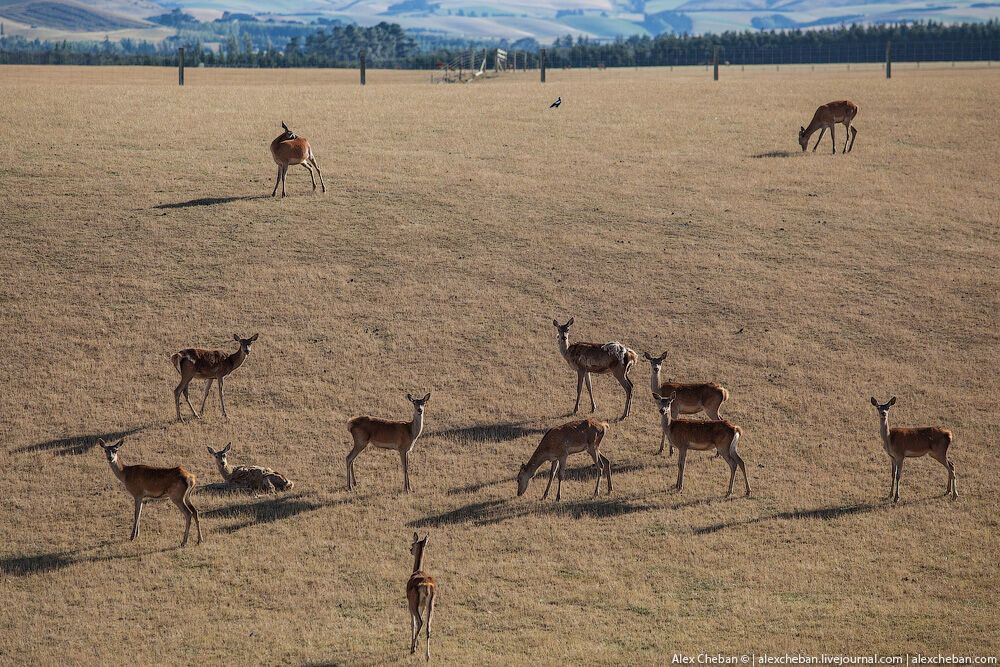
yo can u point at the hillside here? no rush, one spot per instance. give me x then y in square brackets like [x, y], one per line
[66, 15]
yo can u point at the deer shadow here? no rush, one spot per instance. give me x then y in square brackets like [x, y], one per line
[209, 201]
[81, 444]
[571, 474]
[492, 512]
[825, 513]
[26, 566]
[772, 154]
[256, 512]
[502, 432]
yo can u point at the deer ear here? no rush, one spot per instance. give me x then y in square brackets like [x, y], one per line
[253, 338]
[646, 354]
[427, 398]
[664, 355]
[555, 323]
[415, 537]
[427, 536]
[226, 448]
[801, 129]
[101, 442]
[874, 402]
[657, 397]
[409, 398]
[571, 320]
[211, 451]
[892, 401]
[673, 395]
[236, 337]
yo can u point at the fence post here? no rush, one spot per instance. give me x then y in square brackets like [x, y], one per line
[715, 65]
[361, 58]
[541, 63]
[180, 66]
[888, 60]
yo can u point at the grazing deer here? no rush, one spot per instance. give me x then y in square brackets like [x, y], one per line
[420, 592]
[207, 365]
[249, 477]
[290, 149]
[583, 435]
[387, 434]
[685, 434]
[691, 398]
[826, 117]
[144, 482]
[903, 443]
[587, 358]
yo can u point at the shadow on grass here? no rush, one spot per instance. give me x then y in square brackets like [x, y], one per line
[571, 474]
[26, 566]
[825, 513]
[492, 512]
[81, 444]
[269, 510]
[210, 201]
[503, 432]
[775, 154]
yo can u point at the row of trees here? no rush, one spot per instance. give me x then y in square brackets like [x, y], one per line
[388, 45]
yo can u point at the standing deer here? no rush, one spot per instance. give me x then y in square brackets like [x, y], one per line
[827, 116]
[587, 358]
[583, 435]
[691, 398]
[685, 434]
[387, 434]
[207, 365]
[143, 482]
[420, 592]
[255, 478]
[289, 149]
[903, 443]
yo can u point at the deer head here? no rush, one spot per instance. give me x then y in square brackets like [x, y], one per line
[418, 403]
[665, 402]
[111, 451]
[523, 477]
[418, 542]
[655, 362]
[563, 329]
[220, 456]
[883, 409]
[803, 139]
[246, 343]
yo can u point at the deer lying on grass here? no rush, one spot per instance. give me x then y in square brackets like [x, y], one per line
[587, 358]
[254, 478]
[387, 434]
[290, 149]
[420, 592]
[143, 482]
[903, 443]
[826, 117]
[208, 365]
[691, 398]
[685, 434]
[583, 435]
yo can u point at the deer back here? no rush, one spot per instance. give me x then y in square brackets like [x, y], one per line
[290, 151]
[258, 478]
[419, 586]
[692, 397]
[206, 363]
[381, 432]
[570, 438]
[701, 435]
[147, 481]
[591, 357]
[917, 441]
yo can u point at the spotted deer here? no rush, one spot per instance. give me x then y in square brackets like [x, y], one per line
[289, 149]
[208, 365]
[692, 398]
[420, 592]
[582, 435]
[599, 358]
[255, 478]
[826, 117]
[903, 443]
[387, 434]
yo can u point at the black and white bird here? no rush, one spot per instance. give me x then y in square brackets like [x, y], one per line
[555, 105]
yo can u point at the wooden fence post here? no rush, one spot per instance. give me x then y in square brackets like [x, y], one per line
[180, 66]
[541, 63]
[361, 57]
[888, 60]
[715, 65]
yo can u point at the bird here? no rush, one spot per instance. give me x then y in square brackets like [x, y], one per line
[555, 105]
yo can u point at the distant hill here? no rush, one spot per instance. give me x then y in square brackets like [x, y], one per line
[66, 15]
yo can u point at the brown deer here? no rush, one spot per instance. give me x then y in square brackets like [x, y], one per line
[254, 478]
[825, 118]
[583, 435]
[600, 358]
[903, 443]
[143, 482]
[387, 434]
[289, 149]
[420, 592]
[685, 434]
[207, 365]
[691, 398]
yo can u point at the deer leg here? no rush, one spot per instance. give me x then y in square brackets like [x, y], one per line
[600, 470]
[847, 135]
[284, 173]
[579, 389]
[276, 181]
[833, 141]
[182, 506]
[135, 518]
[607, 469]
[822, 131]
[562, 466]
[417, 624]
[590, 390]
[188, 399]
[732, 472]
[743, 469]
[413, 632]
[222, 399]
[854, 134]
[430, 615]
[311, 174]
[892, 479]
[404, 459]
[681, 460]
[675, 411]
[182, 390]
[359, 446]
[316, 165]
[552, 473]
[663, 439]
[899, 475]
[942, 458]
[628, 386]
[204, 399]
[194, 512]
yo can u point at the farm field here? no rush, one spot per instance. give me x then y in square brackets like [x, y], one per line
[656, 207]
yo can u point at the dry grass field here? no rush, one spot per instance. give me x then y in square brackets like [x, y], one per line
[656, 207]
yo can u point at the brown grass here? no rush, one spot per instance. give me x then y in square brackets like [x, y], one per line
[656, 207]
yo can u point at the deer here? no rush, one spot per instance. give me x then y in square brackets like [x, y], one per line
[420, 591]
[289, 149]
[587, 358]
[827, 116]
[249, 477]
[387, 434]
[903, 443]
[582, 435]
[208, 365]
[691, 398]
[145, 482]
[685, 434]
